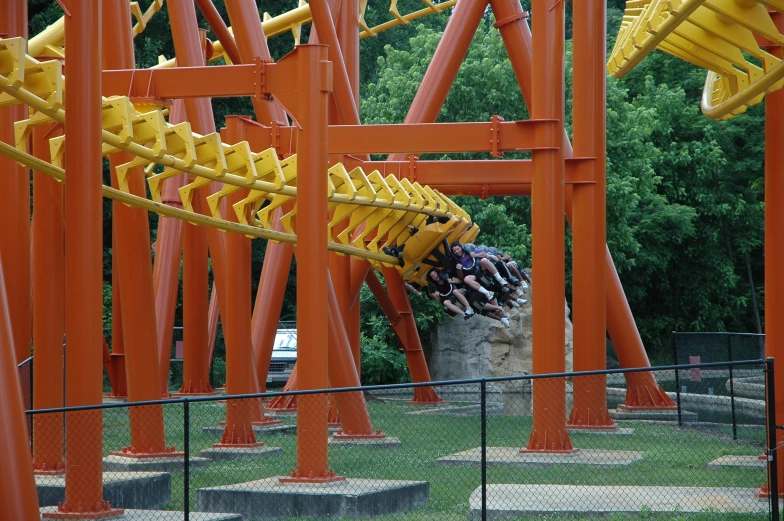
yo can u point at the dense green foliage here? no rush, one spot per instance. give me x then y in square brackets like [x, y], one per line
[684, 193]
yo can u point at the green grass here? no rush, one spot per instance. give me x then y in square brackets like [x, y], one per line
[672, 457]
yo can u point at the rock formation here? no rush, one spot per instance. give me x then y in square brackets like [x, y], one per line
[483, 347]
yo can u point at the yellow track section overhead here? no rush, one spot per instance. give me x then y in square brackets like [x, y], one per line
[385, 206]
[728, 38]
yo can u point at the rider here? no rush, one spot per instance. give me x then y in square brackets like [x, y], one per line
[442, 289]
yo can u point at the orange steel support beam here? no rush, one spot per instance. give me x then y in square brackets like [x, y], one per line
[190, 54]
[344, 99]
[48, 310]
[195, 379]
[20, 498]
[269, 301]
[642, 391]
[443, 68]
[589, 235]
[774, 237]
[252, 46]
[348, 37]
[412, 347]
[218, 27]
[239, 355]
[134, 265]
[115, 361]
[166, 271]
[315, 83]
[83, 263]
[15, 210]
[354, 415]
[549, 401]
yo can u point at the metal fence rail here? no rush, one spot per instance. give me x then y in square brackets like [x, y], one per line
[465, 458]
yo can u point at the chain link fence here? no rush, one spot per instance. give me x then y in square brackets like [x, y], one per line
[382, 456]
[734, 384]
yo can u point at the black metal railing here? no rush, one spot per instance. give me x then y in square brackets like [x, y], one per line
[465, 456]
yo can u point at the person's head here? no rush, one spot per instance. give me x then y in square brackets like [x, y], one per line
[493, 250]
[469, 247]
[433, 275]
[457, 249]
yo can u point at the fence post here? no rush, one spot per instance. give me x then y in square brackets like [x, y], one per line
[732, 390]
[770, 402]
[483, 412]
[186, 476]
[677, 378]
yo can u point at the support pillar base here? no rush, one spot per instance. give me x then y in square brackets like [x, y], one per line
[283, 404]
[327, 477]
[426, 396]
[57, 470]
[764, 491]
[549, 442]
[340, 435]
[134, 453]
[643, 392]
[100, 511]
[585, 418]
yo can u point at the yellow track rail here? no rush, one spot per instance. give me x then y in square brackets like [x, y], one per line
[722, 36]
[385, 206]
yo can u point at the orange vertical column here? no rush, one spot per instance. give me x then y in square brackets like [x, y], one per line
[48, 310]
[84, 266]
[20, 498]
[239, 352]
[189, 51]
[15, 210]
[252, 43]
[315, 83]
[134, 264]
[642, 389]
[589, 409]
[166, 270]
[412, 347]
[774, 239]
[549, 396]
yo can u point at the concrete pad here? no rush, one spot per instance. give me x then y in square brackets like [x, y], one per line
[163, 515]
[114, 463]
[147, 490]
[273, 428]
[384, 443]
[281, 414]
[752, 462]
[511, 456]
[505, 501]
[620, 431]
[623, 414]
[270, 499]
[230, 453]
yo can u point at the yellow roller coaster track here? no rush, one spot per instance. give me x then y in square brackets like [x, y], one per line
[728, 38]
[386, 206]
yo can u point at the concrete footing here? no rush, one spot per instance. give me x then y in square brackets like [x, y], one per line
[514, 501]
[145, 490]
[270, 499]
[753, 462]
[230, 453]
[272, 428]
[388, 442]
[114, 463]
[511, 456]
[623, 414]
[160, 515]
[620, 431]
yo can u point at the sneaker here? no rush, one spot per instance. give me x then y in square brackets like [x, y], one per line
[524, 285]
[490, 295]
[514, 303]
[507, 315]
[468, 313]
[505, 321]
[515, 281]
[521, 301]
[518, 293]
